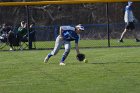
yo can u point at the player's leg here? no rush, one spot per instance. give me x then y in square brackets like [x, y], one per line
[135, 36]
[127, 27]
[132, 27]
[122, 35]
[58, 43]
[67, 46]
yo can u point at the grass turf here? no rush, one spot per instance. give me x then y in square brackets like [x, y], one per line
[109, 70]
[84, 44]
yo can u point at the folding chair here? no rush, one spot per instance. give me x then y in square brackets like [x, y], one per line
[13, 41]
[3, 42]
[24, 40]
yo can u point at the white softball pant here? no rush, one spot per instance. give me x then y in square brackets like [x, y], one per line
[58, 43]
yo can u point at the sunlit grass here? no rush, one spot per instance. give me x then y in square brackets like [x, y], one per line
[109, 70]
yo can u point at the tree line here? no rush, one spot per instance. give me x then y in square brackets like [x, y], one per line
[65, 14]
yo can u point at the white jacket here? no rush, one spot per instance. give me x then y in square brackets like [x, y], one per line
[128, 16]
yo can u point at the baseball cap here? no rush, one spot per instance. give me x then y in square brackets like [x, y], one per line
[80, 27]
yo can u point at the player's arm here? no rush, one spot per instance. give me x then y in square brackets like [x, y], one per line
[76, 45]
[126, 16]
[77, 48]
[60, 31]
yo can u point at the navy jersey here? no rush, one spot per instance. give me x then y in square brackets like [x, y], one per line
[69, 34]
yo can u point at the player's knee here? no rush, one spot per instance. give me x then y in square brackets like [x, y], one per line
[53, 53]
[66, 53]
[67, 50]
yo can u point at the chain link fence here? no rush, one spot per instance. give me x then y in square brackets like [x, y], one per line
[49, 18]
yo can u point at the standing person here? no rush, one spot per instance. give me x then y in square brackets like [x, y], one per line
[129, 22]
[32, 31]
[66, 35]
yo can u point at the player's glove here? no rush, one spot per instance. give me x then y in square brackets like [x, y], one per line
[80, 57]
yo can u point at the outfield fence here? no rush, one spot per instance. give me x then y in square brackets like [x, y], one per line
[95, 35]
[94, 16]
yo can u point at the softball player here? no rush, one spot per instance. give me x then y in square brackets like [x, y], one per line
[129, 22]
[66, 35]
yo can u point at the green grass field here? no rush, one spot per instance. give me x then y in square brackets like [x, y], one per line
[109, 70]
[86, 44]
[93, 43]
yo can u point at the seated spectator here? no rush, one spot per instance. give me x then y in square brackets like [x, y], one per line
[31, 33]
[11, 38]
[22, 30]
[7, 35]
[4, 32]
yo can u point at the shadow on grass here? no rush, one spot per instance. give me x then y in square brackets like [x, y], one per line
[116, 63]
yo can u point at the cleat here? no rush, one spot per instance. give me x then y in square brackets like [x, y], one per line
[137, 40]
[46, 59]
[120, 41]
[11, 49]
[62, 64]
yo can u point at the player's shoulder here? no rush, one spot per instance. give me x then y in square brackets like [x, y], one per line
[67, 27]
[128, 7]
